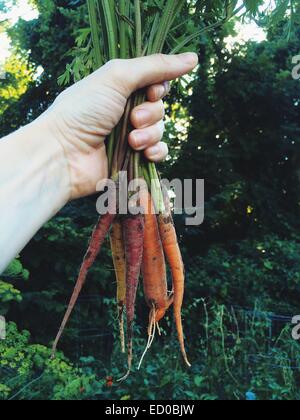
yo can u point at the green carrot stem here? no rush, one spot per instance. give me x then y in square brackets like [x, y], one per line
[195, 35]
[103, 31]
[138, 28]
[153, 31]
[146, 175]
[122, 146]
[171, 10]
[124, 11]
[172, 17]
[131, 167]
[95, 33]
[108, 7]
[113, 8]
[156, 190]
[136, 164]
[156, 47]
[110, 149]
[127, 160]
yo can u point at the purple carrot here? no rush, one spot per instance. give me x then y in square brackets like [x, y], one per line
[133, 228]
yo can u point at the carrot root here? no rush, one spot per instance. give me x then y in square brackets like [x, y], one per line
[154, 264]
[96, 242]
[151, 334]
[133, 231]
[119, 260]
[174, 257]
[121, 328]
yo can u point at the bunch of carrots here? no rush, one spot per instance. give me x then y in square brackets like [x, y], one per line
[142, 243]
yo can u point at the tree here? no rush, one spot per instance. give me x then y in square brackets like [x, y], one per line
[43, 43]
[244, 139]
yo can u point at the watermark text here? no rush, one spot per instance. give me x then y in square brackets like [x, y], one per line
[181, 197]
[2, 328]
[296, 68]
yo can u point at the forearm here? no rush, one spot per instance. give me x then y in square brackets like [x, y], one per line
[34, 186]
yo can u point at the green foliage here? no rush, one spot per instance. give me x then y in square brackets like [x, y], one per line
[27, 372]
[5, 6]
[242, 273]
[7, 292]
[233, 354]
[245, 139]
[165, 26]
[16, 269]
[242, 122]
[43, 47]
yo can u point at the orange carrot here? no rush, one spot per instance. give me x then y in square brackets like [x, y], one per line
[154, 271]
[96, 242]
[174, 257]
[118, 253]
[154, 266]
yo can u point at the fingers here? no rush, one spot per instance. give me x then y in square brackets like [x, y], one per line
[147, 137]
[148, 121]
[149, 140]
[155, 69]
[147, 114]
[157, 92]
[157, 153]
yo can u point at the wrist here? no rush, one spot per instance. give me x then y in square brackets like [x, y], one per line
[48, 159]
[35, 185]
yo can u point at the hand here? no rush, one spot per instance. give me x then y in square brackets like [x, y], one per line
[83, 115]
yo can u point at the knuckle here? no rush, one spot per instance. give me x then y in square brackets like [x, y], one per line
[133, 141]
[163, 64]
[163, 59]
[114, 67]
[160, 129]
[133, 118]
[164, 149]
[162, 109]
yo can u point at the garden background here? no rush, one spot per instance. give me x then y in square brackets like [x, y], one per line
[237, 125]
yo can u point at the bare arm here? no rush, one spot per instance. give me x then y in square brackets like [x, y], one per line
[35, 185]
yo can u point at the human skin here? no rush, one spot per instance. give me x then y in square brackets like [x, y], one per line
[61, 156]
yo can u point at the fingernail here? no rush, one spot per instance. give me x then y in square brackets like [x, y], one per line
[141, 139]
[167, 87]
[154, 151]
[189, 58]
[161, 91]
[142, 115]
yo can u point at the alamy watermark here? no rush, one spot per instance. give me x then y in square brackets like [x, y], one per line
[2, 328]
[2, 71]
[296, 329]
[296, 68]
[124, 197]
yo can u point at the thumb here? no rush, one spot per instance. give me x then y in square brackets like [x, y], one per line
[138, 73]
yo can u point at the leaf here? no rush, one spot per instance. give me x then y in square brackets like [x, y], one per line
[226, 265]
[126, 398]
[8, 293]
[199, 381]
[252, 6]
[208, 397]
[268, 265]
[15, 268]
[280, 12]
